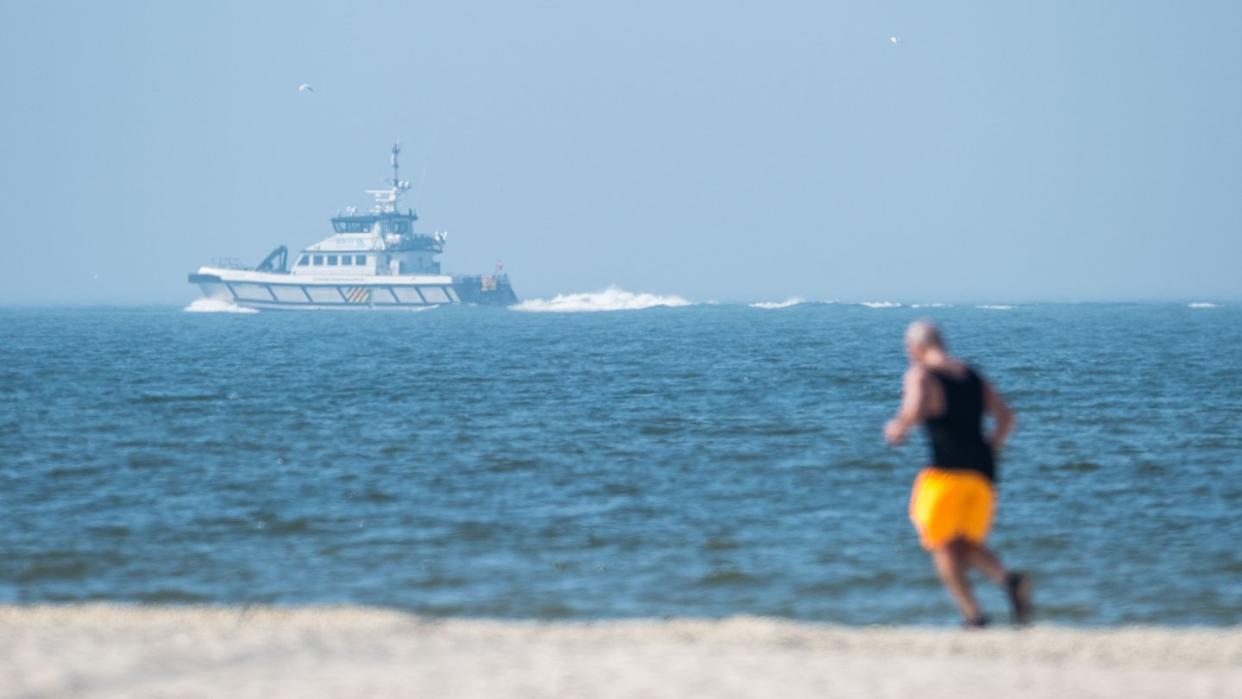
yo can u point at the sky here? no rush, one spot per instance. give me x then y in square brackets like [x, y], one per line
[1063, 150]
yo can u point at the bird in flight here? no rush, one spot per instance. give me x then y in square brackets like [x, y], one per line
[894, 40]
[305, 87]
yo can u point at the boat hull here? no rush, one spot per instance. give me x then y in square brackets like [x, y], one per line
[288, 292]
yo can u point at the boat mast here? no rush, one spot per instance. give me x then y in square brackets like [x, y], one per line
[396, 150]
[386, 199]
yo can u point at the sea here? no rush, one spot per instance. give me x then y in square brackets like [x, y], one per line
[609, 455]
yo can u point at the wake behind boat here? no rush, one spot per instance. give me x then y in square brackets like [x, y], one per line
[372, 261]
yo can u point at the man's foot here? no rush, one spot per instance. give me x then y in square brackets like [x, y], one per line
[979, 622]
[1018, 587]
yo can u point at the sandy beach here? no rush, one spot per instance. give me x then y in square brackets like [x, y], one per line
[112, 651]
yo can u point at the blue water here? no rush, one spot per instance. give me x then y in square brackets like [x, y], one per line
[697, 461]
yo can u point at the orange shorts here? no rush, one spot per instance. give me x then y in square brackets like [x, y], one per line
[947, 504]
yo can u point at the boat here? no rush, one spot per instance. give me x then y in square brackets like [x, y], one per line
[372, 261]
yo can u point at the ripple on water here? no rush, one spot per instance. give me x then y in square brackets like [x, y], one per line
[150, 459]
[728, 578]
[157, 398]
[172, 595]
[720, 544]
[1150, 468]
[277, 526]
[1078, 466]
[52, 568]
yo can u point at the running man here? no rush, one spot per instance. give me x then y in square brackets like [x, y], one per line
[952, 502]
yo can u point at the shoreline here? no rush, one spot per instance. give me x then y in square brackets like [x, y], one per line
[104, 650]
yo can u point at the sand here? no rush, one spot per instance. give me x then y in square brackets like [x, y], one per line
[113, 651]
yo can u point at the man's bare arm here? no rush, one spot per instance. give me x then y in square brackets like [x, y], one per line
[996, 405]
[910, 414]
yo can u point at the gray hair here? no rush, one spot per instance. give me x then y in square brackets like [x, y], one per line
[924, 333]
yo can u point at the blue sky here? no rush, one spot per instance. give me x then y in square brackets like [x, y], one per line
[735, 151]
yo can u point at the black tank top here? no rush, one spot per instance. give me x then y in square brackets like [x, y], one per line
[957, 434]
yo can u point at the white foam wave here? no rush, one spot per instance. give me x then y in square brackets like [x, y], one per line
[881, 304]
[996, 307]
[216, 306]
[1201, 304]
[774, 305]
[611, 299]
[931, 305]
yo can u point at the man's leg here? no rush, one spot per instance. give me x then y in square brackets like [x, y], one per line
[951, 562]
[1017, 586]
[982, 558]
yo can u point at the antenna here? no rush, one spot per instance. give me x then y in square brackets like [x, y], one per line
[386, 199]
[396, 150]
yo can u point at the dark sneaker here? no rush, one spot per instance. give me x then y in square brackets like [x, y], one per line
[1018, 587]
[979, 622]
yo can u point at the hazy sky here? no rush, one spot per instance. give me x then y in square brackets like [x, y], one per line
[1068, 150]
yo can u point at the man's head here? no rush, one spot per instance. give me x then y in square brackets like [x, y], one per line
[923, 337]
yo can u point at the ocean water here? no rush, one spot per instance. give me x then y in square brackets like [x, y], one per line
[696, 460]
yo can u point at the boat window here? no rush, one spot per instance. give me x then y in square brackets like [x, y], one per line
[347, 226]
[318, 260]
[347, 259]
[304, 261]
[360, 259]
[332, 260]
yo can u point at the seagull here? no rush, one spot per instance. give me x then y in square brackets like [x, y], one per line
[305, 87]
[894, 40]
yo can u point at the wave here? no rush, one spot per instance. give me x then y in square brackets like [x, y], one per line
[215, 306]
[1202, 304]
[931, 305]
[611, 299]
[880, 304]
[996, 307]
[773, 305]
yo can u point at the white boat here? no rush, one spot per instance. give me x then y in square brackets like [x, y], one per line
[373, 260]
